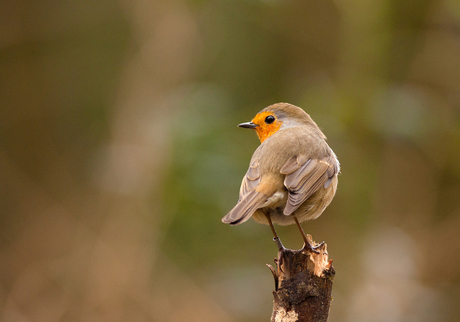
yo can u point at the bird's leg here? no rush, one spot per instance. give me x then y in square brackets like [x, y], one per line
[307, 243]
[271, 225]
[276, 238]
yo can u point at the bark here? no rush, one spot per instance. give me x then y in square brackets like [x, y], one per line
[303, 284]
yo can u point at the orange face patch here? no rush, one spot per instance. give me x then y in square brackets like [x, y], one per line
[263, 129]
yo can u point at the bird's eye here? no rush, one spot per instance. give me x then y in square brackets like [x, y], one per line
[269, 119]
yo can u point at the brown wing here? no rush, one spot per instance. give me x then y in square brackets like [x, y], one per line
[250, 180]
[306, 176]
[250, 199]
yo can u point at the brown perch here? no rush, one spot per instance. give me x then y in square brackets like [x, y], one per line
[303, 284]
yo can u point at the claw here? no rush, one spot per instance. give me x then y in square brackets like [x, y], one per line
[309, 247]
[314, 249]
[319, 246]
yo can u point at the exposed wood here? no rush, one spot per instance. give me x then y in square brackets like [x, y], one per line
[303, 284]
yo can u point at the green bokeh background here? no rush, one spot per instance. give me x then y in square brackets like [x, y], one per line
[119, 154]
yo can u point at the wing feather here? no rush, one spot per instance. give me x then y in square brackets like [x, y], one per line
[306, 179]
[250, 199]
[250, 180]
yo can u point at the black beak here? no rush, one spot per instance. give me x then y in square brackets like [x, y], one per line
[248, 125]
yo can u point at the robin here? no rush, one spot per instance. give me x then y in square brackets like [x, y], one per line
[292, 176]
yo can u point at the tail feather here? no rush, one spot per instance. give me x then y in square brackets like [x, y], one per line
[245, 208]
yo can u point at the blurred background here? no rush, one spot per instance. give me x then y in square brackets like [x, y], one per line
[119, 154]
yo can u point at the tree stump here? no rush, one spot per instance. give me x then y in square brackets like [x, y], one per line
[303, 284]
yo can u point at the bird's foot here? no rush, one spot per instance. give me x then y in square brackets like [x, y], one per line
[279, 244]
[314, 249]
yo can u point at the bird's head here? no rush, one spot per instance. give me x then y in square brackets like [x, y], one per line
[278, 117]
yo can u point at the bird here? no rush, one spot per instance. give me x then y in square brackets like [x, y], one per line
[293, 174]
